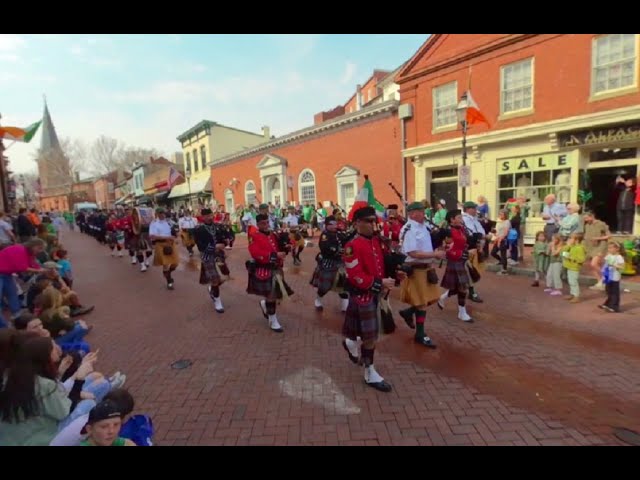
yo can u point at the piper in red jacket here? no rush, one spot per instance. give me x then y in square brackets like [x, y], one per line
[365, 269]
[115, 236]
[456, 279]
[391, 229]
[266, 277]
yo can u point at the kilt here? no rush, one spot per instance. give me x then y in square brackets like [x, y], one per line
[187, 238]
[362, 318]
[211, 273]
[416, 290]
[159, 257]
[111, 238]
[456, 276]
[268, 286]
[326, 280]
[139, 243]
[474, 260]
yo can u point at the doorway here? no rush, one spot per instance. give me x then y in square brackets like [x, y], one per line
[605, 191]
[447, 191]
[275, 191]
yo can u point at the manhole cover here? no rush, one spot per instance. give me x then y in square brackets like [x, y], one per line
[181, 364]
[627, 436]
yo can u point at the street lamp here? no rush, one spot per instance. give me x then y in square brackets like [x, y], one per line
[461, 113]
[187, 176]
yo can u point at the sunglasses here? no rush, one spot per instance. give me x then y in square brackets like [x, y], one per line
[368, 220]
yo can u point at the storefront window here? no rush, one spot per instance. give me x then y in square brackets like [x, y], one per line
[534, 186]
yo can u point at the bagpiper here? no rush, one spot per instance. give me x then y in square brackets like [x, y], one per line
[165, 252]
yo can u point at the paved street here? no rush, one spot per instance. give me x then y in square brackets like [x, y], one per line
[532, 369]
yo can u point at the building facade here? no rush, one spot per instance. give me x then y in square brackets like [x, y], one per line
[559, 123]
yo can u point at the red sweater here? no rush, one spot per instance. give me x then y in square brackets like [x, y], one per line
[364, 261]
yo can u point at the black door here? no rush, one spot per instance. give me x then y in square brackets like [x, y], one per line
[447, 191]
[605, 190]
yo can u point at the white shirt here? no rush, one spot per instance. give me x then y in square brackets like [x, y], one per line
[5, 228]
[291, 220]
[160, 228]
[472, 223]
[187, 222]
[614, 261]
[417, 238]
[248, 218]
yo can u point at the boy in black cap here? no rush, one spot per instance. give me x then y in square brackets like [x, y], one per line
[103, 427]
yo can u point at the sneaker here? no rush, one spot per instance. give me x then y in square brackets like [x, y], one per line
[503, 272]
[555, 293]
[548, 290]
[574, 300]
[597, 286]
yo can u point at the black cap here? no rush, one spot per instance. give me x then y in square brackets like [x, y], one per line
[261, 217]
[364, 212]
[330, 219]
[452, 214]
[103, 411]
[393, 206]
[206, 211]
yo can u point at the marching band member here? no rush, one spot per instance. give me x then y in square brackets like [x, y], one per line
[393, 225]
[187, 226]
[211, 240]
[291, 222]
[329, 273]
[475, 239]
[266, 277]
[420, 287]
[165, 253]
[365, 270]
[115, 236]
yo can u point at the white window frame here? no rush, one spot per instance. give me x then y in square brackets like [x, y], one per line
[531, 86]
[594, 66]
[302, 184]
[453, 105]
[248, 192]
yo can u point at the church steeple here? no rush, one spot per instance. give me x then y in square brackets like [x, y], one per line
[49, 137]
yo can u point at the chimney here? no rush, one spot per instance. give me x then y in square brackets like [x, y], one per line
[358, 97]
[266, 132]
[77, 177]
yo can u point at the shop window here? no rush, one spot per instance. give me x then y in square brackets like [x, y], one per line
[613, 62]
[534, 186]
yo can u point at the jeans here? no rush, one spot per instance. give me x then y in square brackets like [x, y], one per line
[554, 279]
[99, 388]
[75, 335]
[574, 287]
[9, 291]
[502, 258]
[613, 296]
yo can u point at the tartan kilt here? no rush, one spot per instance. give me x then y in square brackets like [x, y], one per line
[139, 243]
[209, 274]
[417, 291]
[111, 238]
[455, 276]
[361, 319]
[187, 238]
[268, 287]
[324, 279]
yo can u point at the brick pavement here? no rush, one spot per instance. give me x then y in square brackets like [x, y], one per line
[532, 370]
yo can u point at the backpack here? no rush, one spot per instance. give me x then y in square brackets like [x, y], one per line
[138, 429]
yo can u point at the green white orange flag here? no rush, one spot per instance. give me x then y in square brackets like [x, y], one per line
[366, 198]
[18, 134]
[473, 113]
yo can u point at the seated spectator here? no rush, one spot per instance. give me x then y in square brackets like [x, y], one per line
[103, 427]
[69, 297]
[57, 319]
[62, 257]
[37, 287]
[30, 323]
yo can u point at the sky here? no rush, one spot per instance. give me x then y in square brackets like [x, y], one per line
[145, 90]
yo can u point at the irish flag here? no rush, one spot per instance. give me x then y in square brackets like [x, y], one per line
[474, 115]
[18, 134]
[366, 198]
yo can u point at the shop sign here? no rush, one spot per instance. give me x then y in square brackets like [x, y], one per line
[534, 163]
[600, 136]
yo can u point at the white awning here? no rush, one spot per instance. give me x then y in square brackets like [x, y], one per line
[197, 186]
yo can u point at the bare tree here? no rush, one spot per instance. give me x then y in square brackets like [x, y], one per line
[75, 150]
[135, 155]
[106, 155]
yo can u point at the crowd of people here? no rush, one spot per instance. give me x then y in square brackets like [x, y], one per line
[51, 392]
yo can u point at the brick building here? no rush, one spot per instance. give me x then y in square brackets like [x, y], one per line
[564, 113]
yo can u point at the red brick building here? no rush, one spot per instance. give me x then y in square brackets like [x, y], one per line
[564, 113]
[322, 163]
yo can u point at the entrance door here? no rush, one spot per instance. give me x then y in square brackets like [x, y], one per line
[447, 191]
[602, 183]
[275, 191]
[347, 195]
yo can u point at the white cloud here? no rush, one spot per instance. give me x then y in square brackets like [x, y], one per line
[11, 42]
[349, 73]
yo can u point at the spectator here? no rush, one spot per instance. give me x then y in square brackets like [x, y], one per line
[24, 228]
[103, 426]
[7, 236]
[65, 267]
[572, 223]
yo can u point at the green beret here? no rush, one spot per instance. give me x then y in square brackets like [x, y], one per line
[415, 206]
[263, 206]
[470, 205]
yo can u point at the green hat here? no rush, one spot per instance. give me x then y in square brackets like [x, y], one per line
[263, 206]
[160, 210]
[470, 205]
[415, 206]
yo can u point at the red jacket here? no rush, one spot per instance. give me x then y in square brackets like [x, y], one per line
[262, 245]
[125, 224]
[364, 261]
[112, 225]
[458, 244]
[392, 230]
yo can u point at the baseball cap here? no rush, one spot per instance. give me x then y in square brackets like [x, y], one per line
[102, 411]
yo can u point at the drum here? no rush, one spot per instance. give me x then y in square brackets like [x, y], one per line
[141, 219]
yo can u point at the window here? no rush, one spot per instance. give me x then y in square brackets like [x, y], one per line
[203, 156]
[613, 62]
[307, 183]
[516, 89]
[196, 166]
[347, 195]
[445, 101]
[228, 201]
[188, 162]
[250, 193]
[534, 186]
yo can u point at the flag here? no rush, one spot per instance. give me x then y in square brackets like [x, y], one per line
[18, 134]
[366, 198]
[174, 176]
[474, 115]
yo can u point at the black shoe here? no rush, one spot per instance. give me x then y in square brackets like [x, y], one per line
[425, 341]
[603, 307]
[476, 298]
[407, 315]
[380, 386]
[351, 357]
[80, 310]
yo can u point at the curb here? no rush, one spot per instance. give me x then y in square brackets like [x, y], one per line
[582, 280]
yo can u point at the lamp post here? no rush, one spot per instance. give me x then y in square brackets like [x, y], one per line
[187, 176]
[461, 113]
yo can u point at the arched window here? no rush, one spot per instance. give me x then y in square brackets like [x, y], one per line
[249, 193]
[228, 201]
[307, 187]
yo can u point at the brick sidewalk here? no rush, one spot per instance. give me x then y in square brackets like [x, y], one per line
[532, 370]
